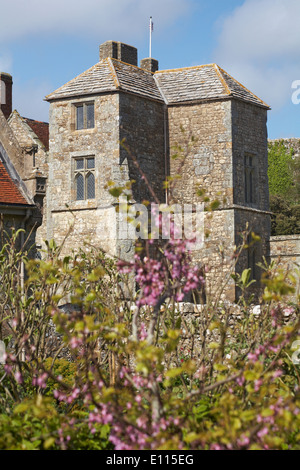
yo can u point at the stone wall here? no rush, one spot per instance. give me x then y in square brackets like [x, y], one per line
[290, 144]
[11, 146]
[286, 248]
[249, 136]
[93, 219]
[211, 139]
[207, 163]
[220, 134]
[27, 139]
[201, 136]
[120, 119]
[142, 129]
[32, 165]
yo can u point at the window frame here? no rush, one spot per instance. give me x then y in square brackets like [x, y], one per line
[84, 172]
[84, 105]
[250, 179]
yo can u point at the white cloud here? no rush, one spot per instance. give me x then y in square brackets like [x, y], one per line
[259, 44]
[121, 20]
[85, 18]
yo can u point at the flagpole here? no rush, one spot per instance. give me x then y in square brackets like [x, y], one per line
[150, 42]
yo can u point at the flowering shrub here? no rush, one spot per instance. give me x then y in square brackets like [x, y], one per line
[89, 367]
[112, 373]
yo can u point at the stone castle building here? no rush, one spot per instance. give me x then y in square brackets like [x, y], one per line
[154, 112]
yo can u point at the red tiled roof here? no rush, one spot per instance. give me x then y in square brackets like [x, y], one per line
[41, 129]
[9, 192]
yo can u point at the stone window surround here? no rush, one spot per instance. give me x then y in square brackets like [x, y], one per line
[74, 104]
[255, 183]
[82, 203]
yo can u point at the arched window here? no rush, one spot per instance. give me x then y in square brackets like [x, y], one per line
[90, 186]
[84, 178]
[2, 92]
[79, 187]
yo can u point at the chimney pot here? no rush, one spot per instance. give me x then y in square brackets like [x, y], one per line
[118, 50]
[149, 64]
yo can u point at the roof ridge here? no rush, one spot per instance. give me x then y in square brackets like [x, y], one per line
[131, 65]
[113, 72]
[35, 120]
[160, 90]
[217, 68]
[246, 89]
[185, 68]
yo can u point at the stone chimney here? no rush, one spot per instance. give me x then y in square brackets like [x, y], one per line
[149, 64]
[6, 93]
[118, 50]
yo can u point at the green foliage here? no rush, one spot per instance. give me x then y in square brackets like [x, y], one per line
[94, 378]
[280, 171]
[286, 218]
[284, 186]
[36, 424]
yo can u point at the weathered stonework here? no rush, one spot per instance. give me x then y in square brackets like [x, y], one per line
[93, 219]
[286, 248]
[147, 113]
[18, 210]
[34, 167]
[223, 132]
[290, 144]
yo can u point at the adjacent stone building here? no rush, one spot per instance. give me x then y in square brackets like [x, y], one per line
[18, 210]
[154, 112]
[33, 139]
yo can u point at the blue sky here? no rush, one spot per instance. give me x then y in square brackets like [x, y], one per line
[45, 44]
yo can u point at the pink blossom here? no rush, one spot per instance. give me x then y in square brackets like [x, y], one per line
[18, 377]
[262, 432]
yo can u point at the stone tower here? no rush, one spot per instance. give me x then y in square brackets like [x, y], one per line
[153, 112]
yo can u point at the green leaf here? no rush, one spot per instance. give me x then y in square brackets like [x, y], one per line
[49, 443]
[213, 345]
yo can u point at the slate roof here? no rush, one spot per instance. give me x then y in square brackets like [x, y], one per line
[106, 76]
[175, 86]
[9, 191]
[202, 82]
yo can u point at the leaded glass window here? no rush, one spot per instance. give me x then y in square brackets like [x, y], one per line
[85, 116]
[79, 187]
[79, 117]
[84, 178]
[90, 115]
[90, 186]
